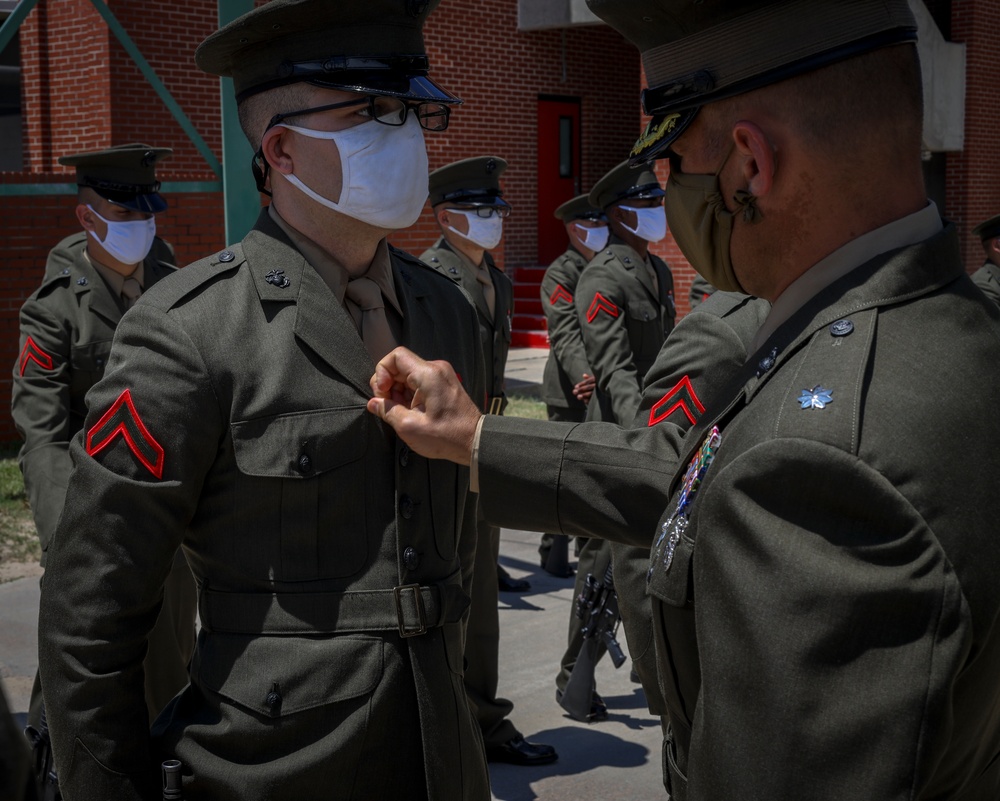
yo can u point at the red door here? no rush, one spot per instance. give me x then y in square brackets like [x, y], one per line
[558, 171]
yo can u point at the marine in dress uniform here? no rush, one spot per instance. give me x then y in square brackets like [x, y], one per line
[469, 208]
[566, 367]
[626, 308]
[987, 277]
[91, 278]
[823, 579]
[568, 381]
[333, 563]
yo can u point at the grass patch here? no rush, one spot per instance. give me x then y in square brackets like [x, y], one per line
[524, 406]
[18, 540]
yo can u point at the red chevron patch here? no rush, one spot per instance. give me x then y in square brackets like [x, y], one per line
[560, 293]
[682, 392]
[33, 353]
[599, 304]
[122, 418]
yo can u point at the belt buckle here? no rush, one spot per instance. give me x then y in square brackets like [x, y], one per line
[496, 404]
[397, 593]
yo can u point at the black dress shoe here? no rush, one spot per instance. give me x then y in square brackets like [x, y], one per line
[518, 751]
[598, 709]
[508, 583]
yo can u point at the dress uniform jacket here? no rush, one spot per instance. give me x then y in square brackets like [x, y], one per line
[694, 364]
[624, 322]
[494, 331]
[67, 326]
[66, 329]
[826, 627]
[567, 360]
[232, 421]
[482, 651]
[841, 550]
[987, 278]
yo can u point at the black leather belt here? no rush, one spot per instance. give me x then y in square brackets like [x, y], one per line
[410, 609]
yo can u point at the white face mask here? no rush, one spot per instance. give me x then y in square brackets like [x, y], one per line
[593, 238]
[651, 223]
[384, 172]
[483, 231]
[128, 242]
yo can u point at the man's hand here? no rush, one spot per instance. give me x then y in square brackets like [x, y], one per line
[584, 388]
[426, 404]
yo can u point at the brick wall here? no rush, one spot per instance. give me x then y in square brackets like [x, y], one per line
[477, 53]
[81, 91]
[973, 176]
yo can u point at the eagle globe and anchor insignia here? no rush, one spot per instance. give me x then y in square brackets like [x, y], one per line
[673, 528]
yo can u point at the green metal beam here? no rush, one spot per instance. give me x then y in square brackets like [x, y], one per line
[168, 188]
[242, 200]
[13, 22]
[182, 119]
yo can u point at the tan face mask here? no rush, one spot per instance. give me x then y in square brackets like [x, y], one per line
[702, 225]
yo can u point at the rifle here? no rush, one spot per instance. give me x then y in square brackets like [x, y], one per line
[46, 781]
[597, 607]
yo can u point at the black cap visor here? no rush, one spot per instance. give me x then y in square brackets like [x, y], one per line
[474, 197]
[418, 88]
[138, 198]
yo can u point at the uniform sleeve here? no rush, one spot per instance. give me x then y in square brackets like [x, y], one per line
[601, 306]
[693, 366]
[565, 338]
[831, 631]
[40, 406]
[598, 479]
[153, 429]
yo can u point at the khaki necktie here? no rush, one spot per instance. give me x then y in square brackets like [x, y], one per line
[131, 290]
[489, 293]
[366, 298]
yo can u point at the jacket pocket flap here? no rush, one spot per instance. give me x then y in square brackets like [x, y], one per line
[300, 445]
[281, 675]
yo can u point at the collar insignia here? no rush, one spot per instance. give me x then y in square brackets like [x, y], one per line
[816, 398]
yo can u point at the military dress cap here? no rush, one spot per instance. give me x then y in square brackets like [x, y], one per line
[369, 46]
[579, 208]
[625, 182]
[988, 229]
[698, 52]
[124, 175]
[471, 182]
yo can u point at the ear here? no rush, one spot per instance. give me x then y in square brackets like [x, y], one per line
[994, 247]
[441, 213]
[84, 217]
[758, 157]
[274, 147]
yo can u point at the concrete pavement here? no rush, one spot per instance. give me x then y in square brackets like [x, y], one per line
[614, 760]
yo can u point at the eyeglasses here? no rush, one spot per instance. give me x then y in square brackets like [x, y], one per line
[383, 109]
[503, 212]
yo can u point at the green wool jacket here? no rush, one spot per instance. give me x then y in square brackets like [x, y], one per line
[623, 323]
[987, 278]
[232, 421]
[67, 325]
[567, 359]
[825, 604]
[495, 331]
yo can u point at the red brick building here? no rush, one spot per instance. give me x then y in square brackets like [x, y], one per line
[545, 87]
